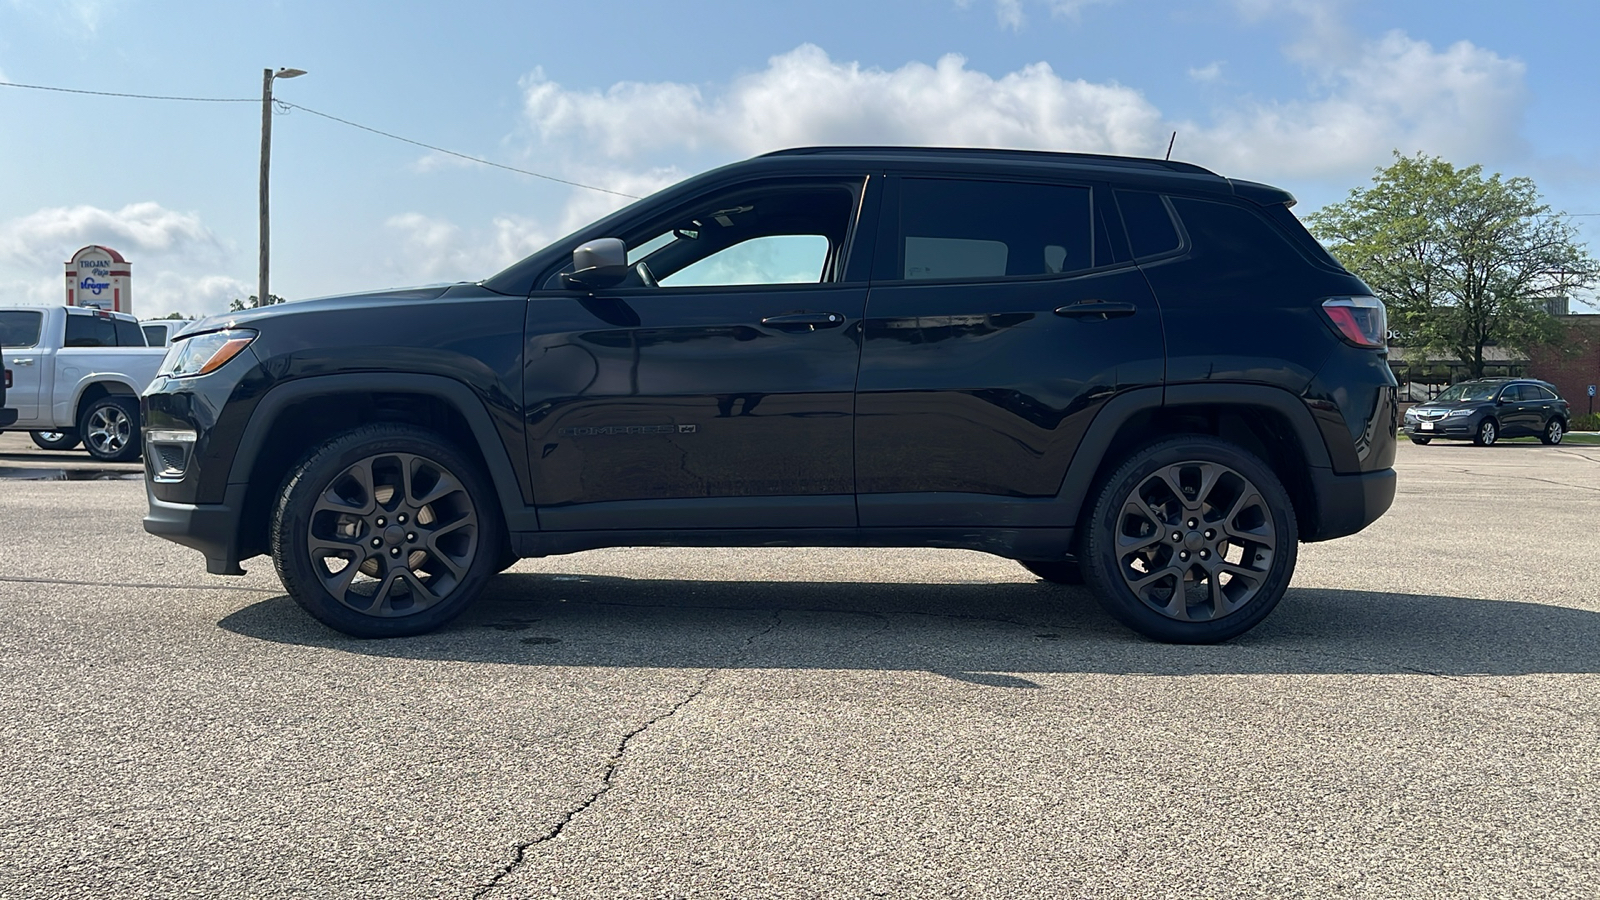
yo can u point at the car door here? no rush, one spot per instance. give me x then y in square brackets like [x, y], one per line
[1518, 410]
[714, 387]
[999, 321]
[21, 332]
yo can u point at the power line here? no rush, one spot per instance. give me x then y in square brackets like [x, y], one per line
[454, 153]
[287, 105]
[40, 87]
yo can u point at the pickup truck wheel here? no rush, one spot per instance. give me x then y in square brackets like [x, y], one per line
[110, 429]
[1058, 571]
[386, 531]
[55, 440]
[1191, 541]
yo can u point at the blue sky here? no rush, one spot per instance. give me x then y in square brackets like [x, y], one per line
[1311, 95]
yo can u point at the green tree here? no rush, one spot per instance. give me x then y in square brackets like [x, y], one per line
[241, 305]
[1462, 261]
[179, 315]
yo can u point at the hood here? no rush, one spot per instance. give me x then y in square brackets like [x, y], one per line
[244, 318]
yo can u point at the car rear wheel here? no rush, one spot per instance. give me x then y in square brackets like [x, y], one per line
[1057, 571]
[1421, 440]
[1553, 432]
[1192, 541]
[55, 440]
[386, 531]
[1487, 434]
[110, 429]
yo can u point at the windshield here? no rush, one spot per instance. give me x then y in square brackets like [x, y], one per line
[20, 328]
[1468, 391]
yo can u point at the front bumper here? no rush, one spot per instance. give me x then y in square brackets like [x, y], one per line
[211, 528]
[1348, 503]
[1458, 427]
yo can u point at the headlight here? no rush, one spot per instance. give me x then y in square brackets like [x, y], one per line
[1459, 412]
[1412, 414]
[204, 353]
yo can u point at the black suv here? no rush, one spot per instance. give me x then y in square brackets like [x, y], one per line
[1485, 410]
[1129, 371]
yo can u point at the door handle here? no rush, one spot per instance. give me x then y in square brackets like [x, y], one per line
[1100, 309]
[22, 362]
[807, 321]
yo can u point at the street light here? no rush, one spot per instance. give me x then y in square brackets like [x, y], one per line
[267, 75]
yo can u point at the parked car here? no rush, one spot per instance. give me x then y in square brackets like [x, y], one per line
[76, 375]
[1133, 371]
[1485, 410]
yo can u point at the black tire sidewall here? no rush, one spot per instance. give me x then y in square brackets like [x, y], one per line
[306, 482]
[1099, 559]
[129, 407]
[68, 441]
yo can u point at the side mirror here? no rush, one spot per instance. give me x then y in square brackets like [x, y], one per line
[597, 265]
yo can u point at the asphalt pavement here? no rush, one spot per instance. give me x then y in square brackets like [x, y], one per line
[1417, 719]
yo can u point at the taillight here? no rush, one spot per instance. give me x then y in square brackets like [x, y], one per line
[1362, 321]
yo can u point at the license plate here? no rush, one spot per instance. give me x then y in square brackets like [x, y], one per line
[1425, 426]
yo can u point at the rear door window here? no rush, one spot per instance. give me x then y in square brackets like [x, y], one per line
[129, 334]
[90, 331]
[954, 230]
[20, 328]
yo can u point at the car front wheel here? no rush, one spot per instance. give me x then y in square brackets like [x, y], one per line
[386, 531]
[1421, 440]
[1192, 541]
[110, 429]
[1487, 434]
[1553, 432]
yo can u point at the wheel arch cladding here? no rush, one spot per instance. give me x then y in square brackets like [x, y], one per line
[318, 409]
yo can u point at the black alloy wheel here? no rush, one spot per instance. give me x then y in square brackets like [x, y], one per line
[1192, 541]
[110, 429]
[1553, 432]
[55, 440]
[386, 531]
[1056, 571]
[1488, 433]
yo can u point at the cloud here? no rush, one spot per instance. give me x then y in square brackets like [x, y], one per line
[803, 97]
[1392, 92]
[1207, 74]
[175, 256]
[68, 15]
[53, 233]
[437, 250]
[1396, 93]
[1010, 14]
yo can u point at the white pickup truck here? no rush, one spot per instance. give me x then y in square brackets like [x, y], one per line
[76, 374]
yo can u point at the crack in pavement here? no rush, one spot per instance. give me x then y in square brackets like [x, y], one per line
[615, 762]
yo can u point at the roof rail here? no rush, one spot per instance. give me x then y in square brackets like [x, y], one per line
[1095, 159]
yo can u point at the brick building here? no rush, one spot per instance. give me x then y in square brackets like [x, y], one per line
[1576, 366]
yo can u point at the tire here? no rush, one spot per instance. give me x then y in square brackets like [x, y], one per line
[55, 440]
[431, 511]
[1422, 441]
[1554, 431]
[1224, 572]
[1057, 571]
[109, 428]
[1488, 433]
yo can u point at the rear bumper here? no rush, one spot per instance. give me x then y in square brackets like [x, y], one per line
[1348, 503]
[211, 528]
[7, 417]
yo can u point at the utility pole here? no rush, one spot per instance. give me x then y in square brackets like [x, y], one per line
[267, 75]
